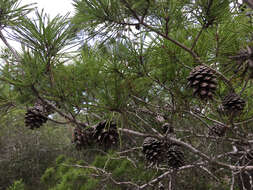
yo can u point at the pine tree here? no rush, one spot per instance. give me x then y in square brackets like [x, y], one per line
[136, 65]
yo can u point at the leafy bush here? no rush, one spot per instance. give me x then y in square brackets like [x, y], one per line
[72, 174]
[17, 185]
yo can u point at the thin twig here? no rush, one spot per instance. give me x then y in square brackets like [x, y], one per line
[209, 172]
[70, 118]
[244, 87]
[194, 55]
[15, 54]
[197, 37]
[232, 181]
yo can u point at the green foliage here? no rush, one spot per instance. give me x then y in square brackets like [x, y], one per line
[11, 13]
[64, 177]
[123, 169]
[44, 35]
[69, 174]
[133, 72]
[26, 154]
[17, 185]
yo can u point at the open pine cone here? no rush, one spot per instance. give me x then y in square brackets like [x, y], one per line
[233, 105]
[175, 156]
[35, 118]
[153, 150]
[203, 81]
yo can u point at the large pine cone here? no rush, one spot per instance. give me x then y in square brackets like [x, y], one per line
[34, 117]
[203, 81]
[233, 105]
[153, 150]
[175, 156]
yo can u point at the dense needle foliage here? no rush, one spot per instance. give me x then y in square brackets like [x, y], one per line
[174, 77]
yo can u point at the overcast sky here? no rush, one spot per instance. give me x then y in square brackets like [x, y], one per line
[52, 7]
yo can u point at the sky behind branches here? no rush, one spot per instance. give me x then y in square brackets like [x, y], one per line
[51, 7]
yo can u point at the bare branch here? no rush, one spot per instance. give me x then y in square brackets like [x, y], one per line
[15, 54]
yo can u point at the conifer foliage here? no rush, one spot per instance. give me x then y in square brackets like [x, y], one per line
[162, 83]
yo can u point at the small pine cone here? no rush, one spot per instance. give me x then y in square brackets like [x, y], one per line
[34, 117]
[217, 130]
[106, 134]
[175, 156]
[203, 81]
[153, 150]
[233, 105]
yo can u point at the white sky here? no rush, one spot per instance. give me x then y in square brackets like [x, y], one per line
[51, 7]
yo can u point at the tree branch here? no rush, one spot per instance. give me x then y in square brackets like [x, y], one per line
[15, 54]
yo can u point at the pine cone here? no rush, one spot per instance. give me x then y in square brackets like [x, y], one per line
[37, 115]
[153, 150]
[175, 156]
[203, 81]
[106, 134]
[99, 129]
[233, 105]
[217, 130]
[103, 133]
[46, 109]
[34, 117]
[82, 138]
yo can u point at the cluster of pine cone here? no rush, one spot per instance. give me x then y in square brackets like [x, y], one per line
[157, 152]
[104, 134]
[204, 83]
